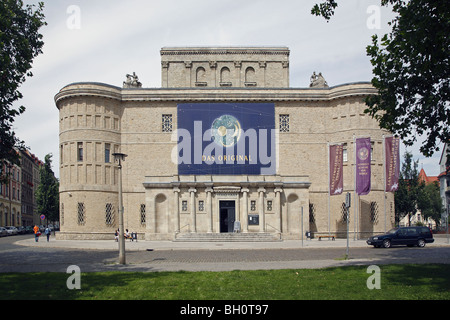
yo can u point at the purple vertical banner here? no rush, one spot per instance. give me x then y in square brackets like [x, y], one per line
[392, 163]
[336, 165]
[363, 171]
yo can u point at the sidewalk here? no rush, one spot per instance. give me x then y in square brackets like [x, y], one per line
[143, 245]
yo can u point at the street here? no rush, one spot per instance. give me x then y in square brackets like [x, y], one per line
[18, 258]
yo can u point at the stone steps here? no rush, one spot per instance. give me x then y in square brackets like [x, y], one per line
[227, 237]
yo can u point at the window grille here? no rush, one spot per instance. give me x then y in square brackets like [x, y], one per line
[374, 212]
[312, 213]
[344, 213]
[166, 123]
[109, 214]
[142, 214]
[284, 123]
[81, 210]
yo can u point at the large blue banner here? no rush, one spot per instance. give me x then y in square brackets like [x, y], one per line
[226, 139]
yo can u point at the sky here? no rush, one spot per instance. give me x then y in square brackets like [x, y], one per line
[102, 41]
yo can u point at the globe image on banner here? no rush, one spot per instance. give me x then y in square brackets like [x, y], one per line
[226, 130]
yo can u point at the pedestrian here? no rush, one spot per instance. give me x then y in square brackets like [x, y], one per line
[37, 233]
[116, 235]
[48, 232]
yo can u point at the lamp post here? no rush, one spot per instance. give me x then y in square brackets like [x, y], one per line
[120, 157]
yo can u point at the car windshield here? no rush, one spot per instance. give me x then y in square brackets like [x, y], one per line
[392, 231]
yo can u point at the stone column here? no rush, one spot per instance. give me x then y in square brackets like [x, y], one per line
[278, 192]
[193, 228]
[176, 207]
[209, 212]
[262, 220]
[244, 221]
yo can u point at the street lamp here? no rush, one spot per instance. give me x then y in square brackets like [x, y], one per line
[120, 157]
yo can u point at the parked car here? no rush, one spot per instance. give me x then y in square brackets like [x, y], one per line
[3, 232]
[21, 230]
[29, 229]
[11, 230]
[409, 236]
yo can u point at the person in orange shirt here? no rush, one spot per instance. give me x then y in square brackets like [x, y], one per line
[37, 233]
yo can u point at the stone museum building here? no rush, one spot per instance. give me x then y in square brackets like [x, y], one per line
[225, 147]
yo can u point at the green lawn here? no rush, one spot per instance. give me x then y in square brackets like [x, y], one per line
[430, 281]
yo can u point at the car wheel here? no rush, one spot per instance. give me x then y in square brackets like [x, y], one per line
[387, 243]
[421, 243]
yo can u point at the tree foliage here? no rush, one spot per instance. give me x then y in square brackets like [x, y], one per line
[429, 202]
[47, 194]
[411, 71]
[20, 43]
[408, 189]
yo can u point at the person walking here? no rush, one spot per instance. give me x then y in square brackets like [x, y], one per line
[37, 233]
[48, 232]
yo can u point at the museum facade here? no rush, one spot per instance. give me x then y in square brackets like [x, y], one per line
[224, 146]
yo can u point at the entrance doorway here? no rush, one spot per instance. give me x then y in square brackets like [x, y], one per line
[227, 215]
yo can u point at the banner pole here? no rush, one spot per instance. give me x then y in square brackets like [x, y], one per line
[329, 187]
[384, 179]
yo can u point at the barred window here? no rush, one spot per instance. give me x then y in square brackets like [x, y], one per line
[312, 213]
[142, 214]
[374, 212]
[166, 123]
[269, 205]
[344, 213]
[284, 123]
[109, 214]
[61, 216]
[253, 205]
[81, 210]
[184, 205]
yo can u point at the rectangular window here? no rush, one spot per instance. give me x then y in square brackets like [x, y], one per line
[166, 123]
[344, 153]
[184, 205]
[201, 205]
[80, 151]
[142, 214]
[109, 214]
[253, 205]
[284, 123]
[107, 153]
[269, 205]
[81, 210]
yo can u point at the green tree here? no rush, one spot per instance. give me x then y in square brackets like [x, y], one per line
[408, 188]
[429, 202]
[20, 43]
[47, 194]
[411, 71]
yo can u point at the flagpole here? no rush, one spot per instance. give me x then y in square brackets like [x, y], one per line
[384, 179]
[354, 181]
[329, 187]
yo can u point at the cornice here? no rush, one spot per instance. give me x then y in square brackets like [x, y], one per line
[215, 94]
[170, 51]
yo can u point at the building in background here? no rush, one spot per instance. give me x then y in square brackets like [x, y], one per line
[444, 181]
[224, 145]
[10, 196]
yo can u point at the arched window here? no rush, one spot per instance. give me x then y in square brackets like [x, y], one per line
[200, 77]
[250, 77]
[225, 77]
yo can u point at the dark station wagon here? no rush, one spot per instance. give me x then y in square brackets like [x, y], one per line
[410, 236]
